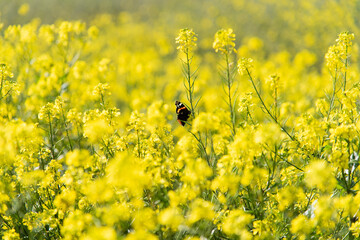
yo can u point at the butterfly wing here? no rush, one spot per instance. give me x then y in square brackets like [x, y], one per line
[183, 115]
[182, 112]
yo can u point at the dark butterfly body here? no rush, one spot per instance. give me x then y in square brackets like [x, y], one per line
[182, 112]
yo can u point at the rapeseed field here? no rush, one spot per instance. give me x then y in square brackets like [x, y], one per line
[193, 120]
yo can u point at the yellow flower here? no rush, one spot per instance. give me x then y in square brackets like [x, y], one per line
[339, 158]
[103, 67]
[345, 39]
[344, 131]
[333, 58]
[206, 122]
[224, 41]
[192, 238]
[254, 175]
[301, 225]
[355, 229]
[96, 130]
[79, 158]
[269, 133]
[337, 53]
[273, 82]
[47, 33]
[28, 33]
[65, 200]
[246, 103]
[171, 217]
[48, 112]
[244, 66]
[324, 211]
[347, 203]
[23, 9]
[156, 114]
[289, 195]
[5, 76]
[140, 235]
[319, 174]
[100, 233]
[260, 227]
[201, 209]
[145, 219]
[100, 90]
[32, 178]
[226, 183]
[186, 40]
[235, 223]
[93, 32]
[98, 191]
[196, 171]
[75, 223]
[11, 234]
[74, 116]
[128, 173]
[13, 32]
[322, 106]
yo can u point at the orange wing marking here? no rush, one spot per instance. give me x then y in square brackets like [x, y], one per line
[180, 109]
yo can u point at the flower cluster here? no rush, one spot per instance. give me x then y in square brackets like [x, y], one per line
[186, 40]
[337, 54]
[245, 65]
[224, 41]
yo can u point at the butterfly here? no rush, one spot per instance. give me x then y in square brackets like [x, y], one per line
[182, 112]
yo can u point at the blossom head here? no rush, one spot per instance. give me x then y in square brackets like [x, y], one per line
[340, 51]
[186, 40]
[224, 41]
[246, 102]
[345, 39]
[5, 71]
[245, 65]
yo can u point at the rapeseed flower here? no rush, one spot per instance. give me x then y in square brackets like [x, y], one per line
[97, 130]
[23, 9]
[171, 217]
[245, 65]
[186, 40]
[301, 225]
[235, 223]
[206, 122]
[224, 41]
[319, 174]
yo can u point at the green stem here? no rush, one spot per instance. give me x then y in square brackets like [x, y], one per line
[333, 94]
[229, 84]
[5, 221]
[138, 142]
[346, 66]
[102, 100]
[276, 103]
[203, 147]
[282, 158]
[66, 129]
[108, 149]
[79, 136]
[51, 137]
[267, 110]
[2, 83]
[249, 114]
[190, 83]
